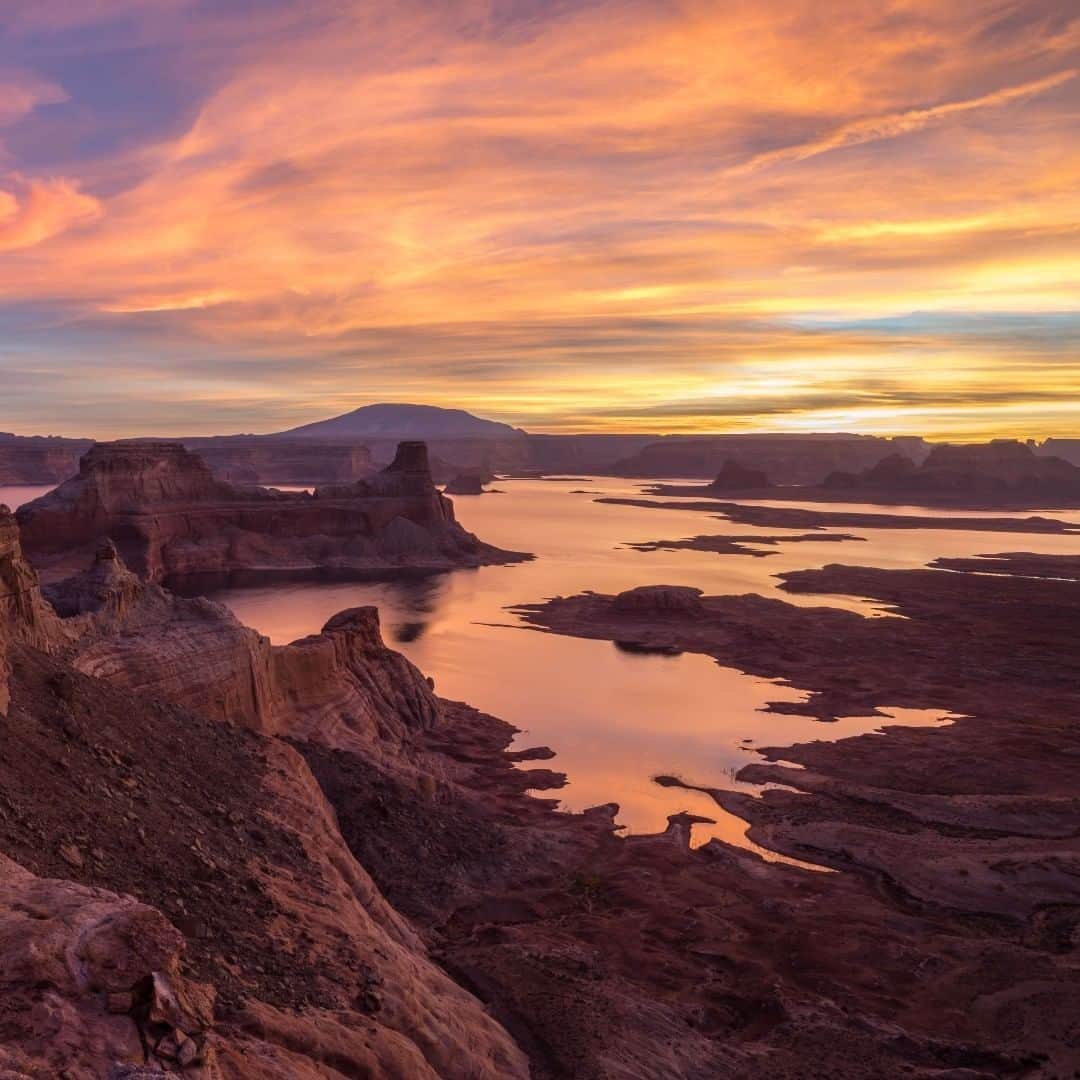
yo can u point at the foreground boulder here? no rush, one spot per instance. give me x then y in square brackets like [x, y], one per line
[172, 521]
[91, 982]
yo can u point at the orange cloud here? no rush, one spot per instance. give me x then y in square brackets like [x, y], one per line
[555, 211]
[893, 125]
[43, 210]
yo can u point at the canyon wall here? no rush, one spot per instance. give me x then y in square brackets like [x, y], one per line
[175, 894]
[24, 615]
[787, 459]
[342, 687]
[999, 468]
[39, 459]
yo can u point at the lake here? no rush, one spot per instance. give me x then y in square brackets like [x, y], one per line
[615, 719]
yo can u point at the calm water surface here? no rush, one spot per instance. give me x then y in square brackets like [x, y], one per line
[614, 719]
[14, 496]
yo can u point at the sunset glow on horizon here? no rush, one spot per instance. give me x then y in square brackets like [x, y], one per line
[649, 215]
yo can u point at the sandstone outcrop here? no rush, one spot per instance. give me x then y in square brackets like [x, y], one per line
[786, 459]
[659, 600]
[255, 946]
[465, 484]
[24, 616]
[233, 861]
[1003, 469]
[342, 687]
[36, 459]
[173, 521]
[735, 476]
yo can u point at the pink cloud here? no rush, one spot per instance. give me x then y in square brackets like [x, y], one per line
[42, 209]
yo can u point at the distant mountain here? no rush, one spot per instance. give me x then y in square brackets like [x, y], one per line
[404, 422]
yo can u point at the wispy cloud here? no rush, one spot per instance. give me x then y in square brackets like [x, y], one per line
[515, 208]
[32, 211]
[894, 125]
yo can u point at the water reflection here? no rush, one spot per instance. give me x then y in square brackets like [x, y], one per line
[14, 495]
[616, 717]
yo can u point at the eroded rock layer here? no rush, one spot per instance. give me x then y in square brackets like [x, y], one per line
[225, 859]
[173, 521]
[968, 827]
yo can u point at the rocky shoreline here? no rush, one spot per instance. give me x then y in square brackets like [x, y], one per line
[971, 824]
[235, 861]
[744, 544]
[800, 517]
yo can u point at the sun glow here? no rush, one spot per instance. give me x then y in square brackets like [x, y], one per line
[577, 217]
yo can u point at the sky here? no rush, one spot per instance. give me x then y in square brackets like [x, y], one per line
[644, 215]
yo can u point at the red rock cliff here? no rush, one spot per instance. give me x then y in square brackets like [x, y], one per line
[171, 519]
[24, 616]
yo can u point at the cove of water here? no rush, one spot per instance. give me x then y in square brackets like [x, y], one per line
[615, 719]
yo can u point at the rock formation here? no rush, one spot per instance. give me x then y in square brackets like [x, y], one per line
[343, 687]
[226, 860]
[36, 459]
[1069, 449]
[735, 476]
[24, 616]
[786, 459]
[172, 520]
[1002, 469]
[175, 895]
[660, 600]
[465, 484]
[967, 827]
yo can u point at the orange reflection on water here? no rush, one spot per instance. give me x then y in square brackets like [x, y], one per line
[615, 719]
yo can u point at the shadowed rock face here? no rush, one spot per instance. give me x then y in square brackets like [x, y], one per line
[737, 477]
[205, 899]
[466, 484]
[1001, 467]
[172, 825]
[292, 957]
[787, 459]
[39, 460]
[24, 616]
[171, 520]
[342, 686]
